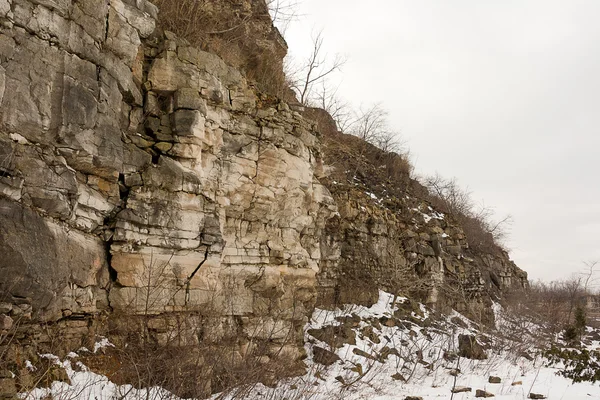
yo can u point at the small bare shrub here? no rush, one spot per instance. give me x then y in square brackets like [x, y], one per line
[482, 231]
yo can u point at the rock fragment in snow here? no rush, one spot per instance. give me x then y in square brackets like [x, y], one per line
[323, 356]
[468, 347]
[536, 396]
[461, 389]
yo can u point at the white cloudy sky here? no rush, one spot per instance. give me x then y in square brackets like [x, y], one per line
[503, 95]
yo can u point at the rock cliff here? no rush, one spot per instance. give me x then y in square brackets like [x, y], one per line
[388, 235]
[142, 176]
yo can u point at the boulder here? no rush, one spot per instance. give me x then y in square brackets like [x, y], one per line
[468, 347]
[41, 259]
[324, 357]
[6, 322]
[536, 396]
[398, 377]
[364, 354]
[334, 336]
[461, 389]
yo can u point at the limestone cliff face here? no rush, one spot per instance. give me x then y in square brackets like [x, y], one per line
[403, 244]
[387, 235]
[140, 175]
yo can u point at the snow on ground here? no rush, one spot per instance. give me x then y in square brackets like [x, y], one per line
[89, 385]
[399, 349]
[356, 377]
[431, 214]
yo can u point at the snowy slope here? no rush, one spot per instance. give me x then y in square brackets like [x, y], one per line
[359, 377]
[381, 352]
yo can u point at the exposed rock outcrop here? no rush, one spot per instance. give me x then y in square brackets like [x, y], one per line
[141, 176]
[388, 235]
[144, 176]
[402, 243]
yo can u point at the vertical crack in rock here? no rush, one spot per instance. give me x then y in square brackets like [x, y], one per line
[189, 279]
[106, 21]
[107, 229]
[258, 151]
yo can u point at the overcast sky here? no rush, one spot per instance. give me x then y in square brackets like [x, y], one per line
[503, 95]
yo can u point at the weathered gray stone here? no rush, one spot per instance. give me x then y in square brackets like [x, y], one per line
[43, 258]
[188, 123]
[163, 146]
[139, 14]
[461, 389]
[171, 176]
[6, 322]
[122, 39]
[536, 396]
[323, 356]
[187, 98]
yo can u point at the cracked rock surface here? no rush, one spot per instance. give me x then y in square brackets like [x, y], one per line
[141, 175]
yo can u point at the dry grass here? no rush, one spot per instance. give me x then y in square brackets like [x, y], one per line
[241, 33]
[350, 156]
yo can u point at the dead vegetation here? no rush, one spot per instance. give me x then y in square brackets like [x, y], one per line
[484, 234]
[240, 32]
[348, 156]
[556, 305]
[201, 349]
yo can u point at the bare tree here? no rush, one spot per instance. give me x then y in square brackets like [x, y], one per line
[482, 231]
[314, 70]
[341, 112]
[371, 125]
[588, 275]
[499, 229]
[455, 200]
[574, 291]
[389, 141]
[282, 13]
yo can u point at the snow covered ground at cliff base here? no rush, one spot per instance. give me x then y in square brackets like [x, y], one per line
[89, 385]
[368, 367]
[429, 378]
[538, 380]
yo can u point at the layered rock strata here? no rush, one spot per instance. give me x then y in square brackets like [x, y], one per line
[403, 245]
[388, 235]
[140, 175]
